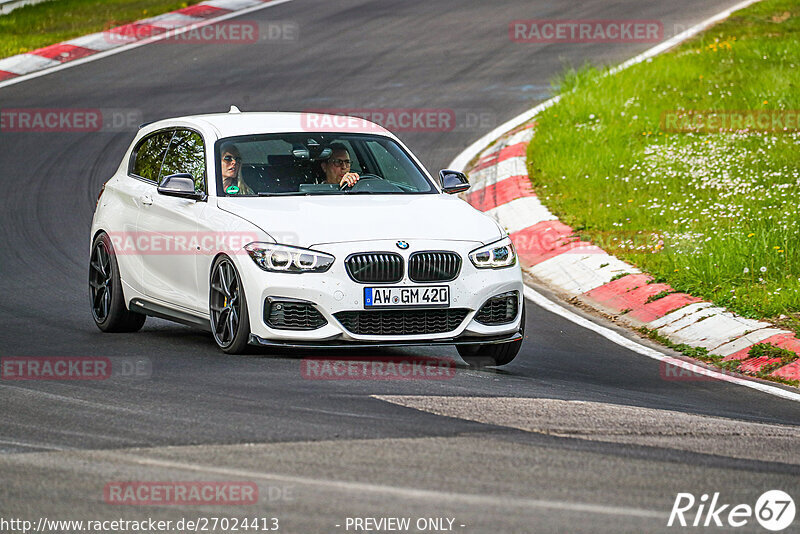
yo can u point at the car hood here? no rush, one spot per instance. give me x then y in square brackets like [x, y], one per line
[306, 221]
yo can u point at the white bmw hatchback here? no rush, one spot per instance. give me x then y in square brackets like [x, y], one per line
[276, 229]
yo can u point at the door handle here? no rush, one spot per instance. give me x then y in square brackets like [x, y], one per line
[147, 200]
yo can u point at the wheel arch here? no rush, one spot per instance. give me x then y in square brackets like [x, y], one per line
[97, 233]
[217, 256]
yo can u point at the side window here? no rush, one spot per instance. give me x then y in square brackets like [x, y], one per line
[186, 154]
[150, 154]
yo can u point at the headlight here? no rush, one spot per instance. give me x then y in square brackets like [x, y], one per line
[285, 259]
[494, 256]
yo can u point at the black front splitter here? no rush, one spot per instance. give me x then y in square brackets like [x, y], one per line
[338, 343]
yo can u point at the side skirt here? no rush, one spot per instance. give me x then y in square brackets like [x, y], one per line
[152, 309]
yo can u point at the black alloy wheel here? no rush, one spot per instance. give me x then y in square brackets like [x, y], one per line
[105, 291]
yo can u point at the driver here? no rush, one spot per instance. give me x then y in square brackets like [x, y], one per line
[337, 167]
[231, 164]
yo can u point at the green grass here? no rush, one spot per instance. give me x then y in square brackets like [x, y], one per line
[661, 295]
[698, 353]
[771, 351]
[30, 27]
[715, 215]
[731, 366]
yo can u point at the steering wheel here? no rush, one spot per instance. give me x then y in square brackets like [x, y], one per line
[365, 176]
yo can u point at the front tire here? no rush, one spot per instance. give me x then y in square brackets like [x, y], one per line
[230, 322]
[494, 354]
[105, 291]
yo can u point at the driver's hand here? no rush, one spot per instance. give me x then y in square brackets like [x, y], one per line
[349, 179]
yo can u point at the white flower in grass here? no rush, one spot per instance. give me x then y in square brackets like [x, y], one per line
[746, 270]
[763, 269]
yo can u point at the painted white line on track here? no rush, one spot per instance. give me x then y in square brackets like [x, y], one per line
[170, 34]
[501, 501]
[542, 301]
[39, 446]
[72, 400]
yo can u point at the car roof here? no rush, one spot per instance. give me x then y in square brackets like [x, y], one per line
[235, 123]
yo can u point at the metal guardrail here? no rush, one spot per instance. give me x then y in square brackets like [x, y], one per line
[7, 6]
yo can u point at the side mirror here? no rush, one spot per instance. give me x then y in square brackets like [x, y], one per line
[453, 181]
[180, 185]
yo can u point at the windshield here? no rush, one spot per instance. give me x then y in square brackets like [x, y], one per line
[315, 164]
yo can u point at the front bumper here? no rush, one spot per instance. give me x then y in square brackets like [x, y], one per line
[334, 291]
[340, 343]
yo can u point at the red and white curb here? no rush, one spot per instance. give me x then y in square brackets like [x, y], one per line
[101, 44]
[550, 253]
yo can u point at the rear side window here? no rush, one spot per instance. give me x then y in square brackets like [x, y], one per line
[186, 154]
[150, 154]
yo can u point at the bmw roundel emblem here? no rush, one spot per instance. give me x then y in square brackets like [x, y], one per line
[402, 245]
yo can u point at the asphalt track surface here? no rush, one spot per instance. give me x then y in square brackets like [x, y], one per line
[515, 463]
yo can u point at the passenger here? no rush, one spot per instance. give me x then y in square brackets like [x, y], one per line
[231, 163]
[337, 167]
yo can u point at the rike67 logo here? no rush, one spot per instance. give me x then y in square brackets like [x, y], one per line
[774, 510]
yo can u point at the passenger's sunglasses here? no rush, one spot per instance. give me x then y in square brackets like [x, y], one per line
[341, 162]
[230, 158]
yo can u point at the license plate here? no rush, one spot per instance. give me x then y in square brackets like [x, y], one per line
[432, 296]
